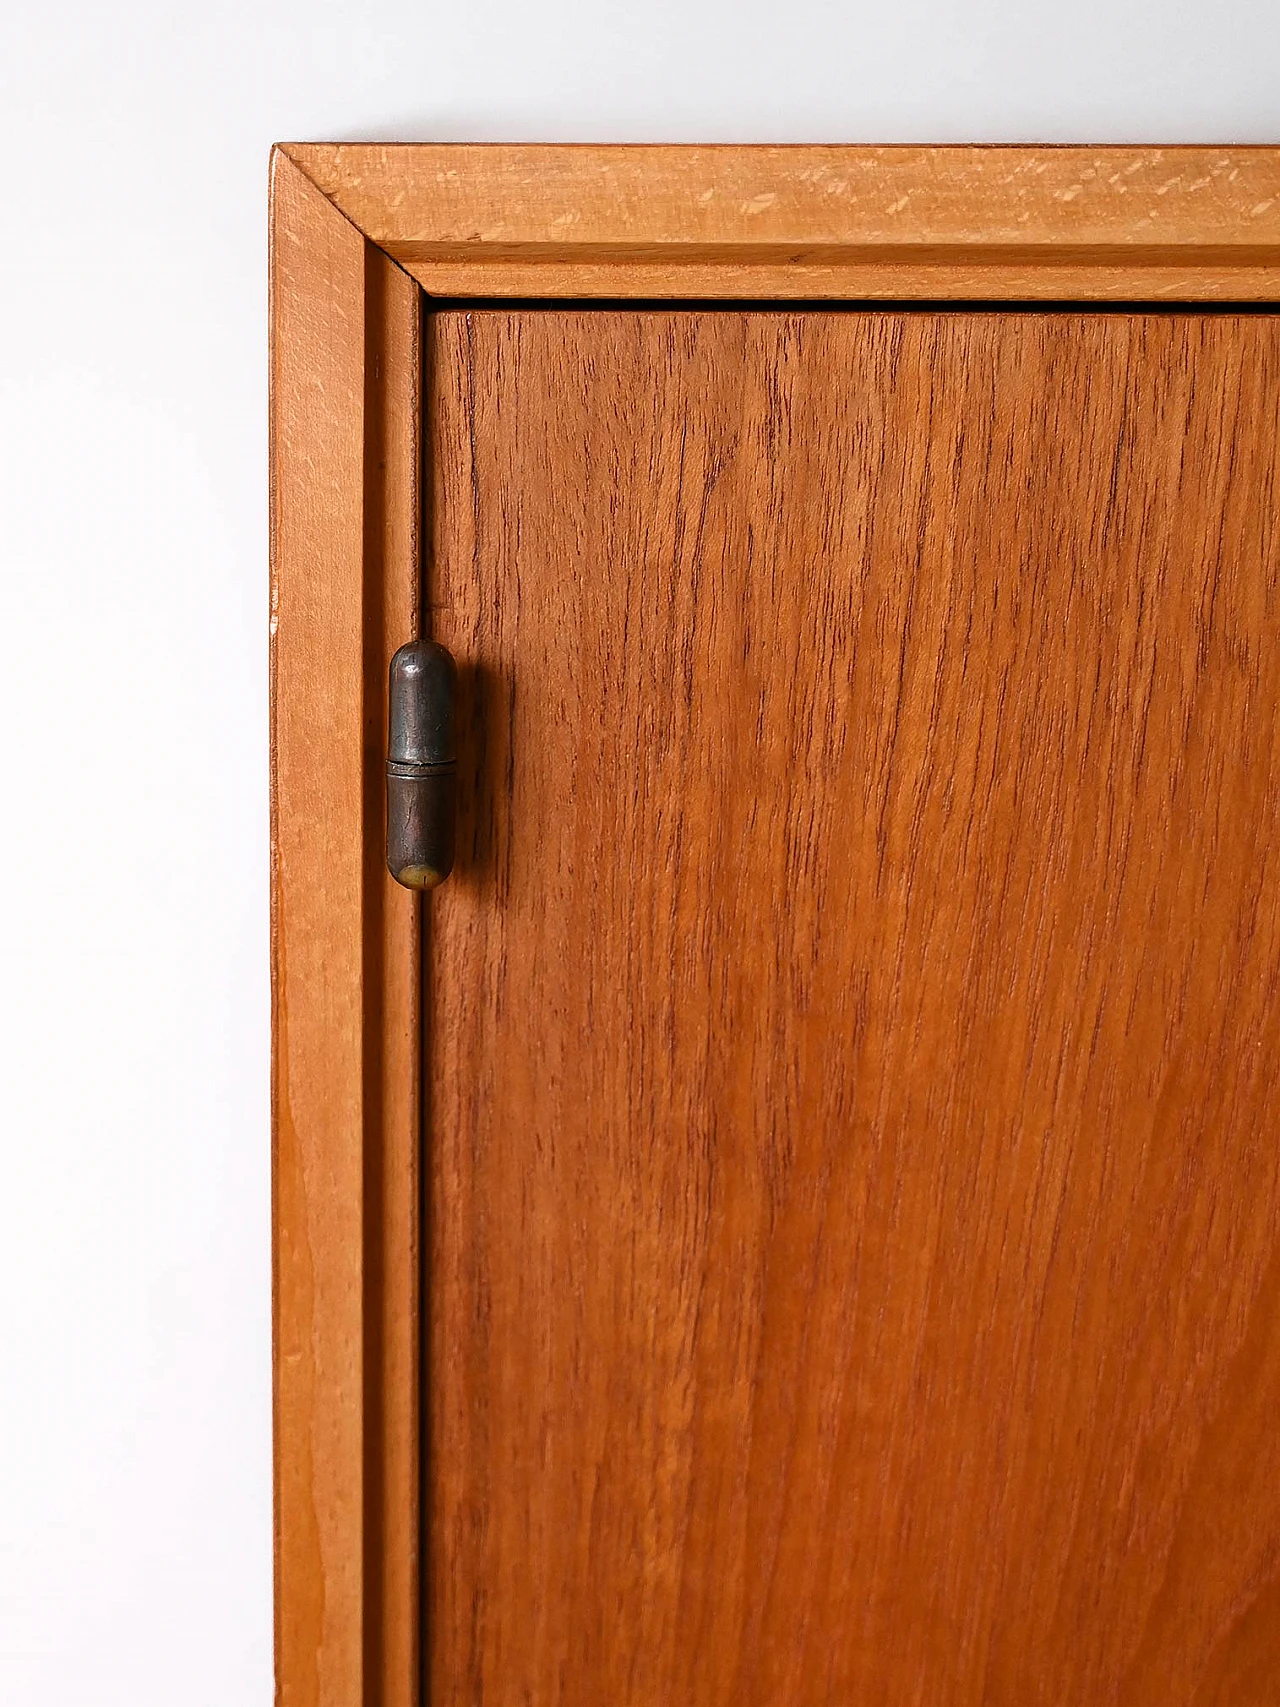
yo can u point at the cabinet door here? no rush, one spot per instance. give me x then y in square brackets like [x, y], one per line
[853, 1033]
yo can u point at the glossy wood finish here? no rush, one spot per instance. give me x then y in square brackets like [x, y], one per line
[1009, 223]
[346, 366]
[854, 1036]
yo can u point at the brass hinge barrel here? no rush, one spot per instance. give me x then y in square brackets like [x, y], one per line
[422, 764]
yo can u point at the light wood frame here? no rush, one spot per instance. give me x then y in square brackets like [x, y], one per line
[352, 228]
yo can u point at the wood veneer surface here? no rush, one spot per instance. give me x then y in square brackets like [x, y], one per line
[853, 1030]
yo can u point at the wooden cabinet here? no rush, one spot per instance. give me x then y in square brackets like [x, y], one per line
[842, 1263]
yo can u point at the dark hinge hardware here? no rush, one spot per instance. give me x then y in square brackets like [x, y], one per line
[422, 765]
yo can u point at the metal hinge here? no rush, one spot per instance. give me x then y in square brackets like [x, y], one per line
[422, 765]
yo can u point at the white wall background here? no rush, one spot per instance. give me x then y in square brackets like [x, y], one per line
[135, 1503]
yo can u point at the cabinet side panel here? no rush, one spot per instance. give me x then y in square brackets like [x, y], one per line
[344, 366]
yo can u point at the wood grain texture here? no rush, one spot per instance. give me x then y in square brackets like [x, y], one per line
[854, 1039]
[981, 223]
[345, 410]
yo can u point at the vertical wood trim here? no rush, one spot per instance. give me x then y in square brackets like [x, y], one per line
[392, 556]
[344, 366]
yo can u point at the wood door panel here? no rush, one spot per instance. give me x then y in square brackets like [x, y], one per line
[853, 1020]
